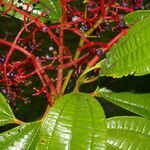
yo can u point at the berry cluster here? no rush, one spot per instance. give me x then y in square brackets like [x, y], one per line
[54, 64]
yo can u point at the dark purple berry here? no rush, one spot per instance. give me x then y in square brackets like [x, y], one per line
[107, 26]
[85, 27]
[57, 30]
[2, 60]
[8, 35]
[11, 74]
[51, 48]
[121, 24]
[97, 33]
[124, 4]
[68, 87]
[31, 46]
[45, 29]
[74, 18]
[99, 52]
[47, 57]
[135, 8]
[4, 91]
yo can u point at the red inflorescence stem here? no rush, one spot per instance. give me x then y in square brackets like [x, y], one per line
[99, 16]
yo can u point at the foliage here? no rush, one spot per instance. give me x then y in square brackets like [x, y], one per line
[55, 51]
[123, 130]
[129, 56]
[80, 118]
[6, 115]
[136, 16]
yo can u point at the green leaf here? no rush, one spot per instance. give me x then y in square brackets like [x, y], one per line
[138, 103]
[76, 121]
[23, 137]
[131, 54]
[53, 6]
[136, 16]
[128, 133]
[55, 9]
[6, 115]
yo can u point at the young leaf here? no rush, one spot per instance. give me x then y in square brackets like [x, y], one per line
[136, 16]
[76, 121]
[136, 102]
[6, 115]
[22, 137]
[131, 54]
[128, 133]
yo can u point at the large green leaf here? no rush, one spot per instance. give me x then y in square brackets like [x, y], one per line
[131, 54]
[128, 133]
[6, 115]
[76, 121]
[136, 16]
[53, 6]
[20, 138]
[136, 102]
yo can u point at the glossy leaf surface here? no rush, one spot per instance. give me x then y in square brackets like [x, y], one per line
[52, 7]
[55, 9]
[20, 138]
[131, 54]
[136, 102]
[6, 115]
[136, 16]
[128, 133]
[76, 121]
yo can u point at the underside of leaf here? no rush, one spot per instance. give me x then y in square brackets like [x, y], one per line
[135, 102]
